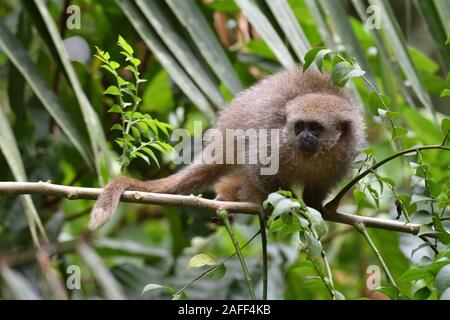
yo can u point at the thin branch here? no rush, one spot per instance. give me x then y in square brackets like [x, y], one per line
[262, 229]
[333, 204]
[76, 193]
[224, 216]
[361, 228]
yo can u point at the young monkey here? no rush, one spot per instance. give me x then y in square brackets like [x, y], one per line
[320, 132]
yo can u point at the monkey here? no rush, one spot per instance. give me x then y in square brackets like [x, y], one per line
[320, 131]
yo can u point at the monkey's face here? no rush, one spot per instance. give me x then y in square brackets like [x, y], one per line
[315, 123]
[307, 136]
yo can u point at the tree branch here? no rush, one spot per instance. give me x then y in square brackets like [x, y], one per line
[76, 193]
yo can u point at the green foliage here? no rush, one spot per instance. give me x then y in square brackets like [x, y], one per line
[140, 132]
[55, 112]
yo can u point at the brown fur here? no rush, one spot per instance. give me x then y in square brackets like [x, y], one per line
[277, 102]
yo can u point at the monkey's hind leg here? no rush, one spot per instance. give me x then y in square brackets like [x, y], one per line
[238, 188]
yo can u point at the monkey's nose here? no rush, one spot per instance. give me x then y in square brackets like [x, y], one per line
[307, 145]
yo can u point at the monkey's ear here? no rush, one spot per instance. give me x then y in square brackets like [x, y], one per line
[345, 127]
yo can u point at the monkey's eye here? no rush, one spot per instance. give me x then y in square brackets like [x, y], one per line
[315, 128]
[299, 127]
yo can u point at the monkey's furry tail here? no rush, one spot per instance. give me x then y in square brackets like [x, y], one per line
[193, 178]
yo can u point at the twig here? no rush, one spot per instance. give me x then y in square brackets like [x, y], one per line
[361, 228]
[75, 193]
[333, 204]
[224, 216]
[262, 229]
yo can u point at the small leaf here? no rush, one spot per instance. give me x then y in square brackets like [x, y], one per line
[114, 64]
[442, 281]
[422, 294]
[401, 131]
[112, 90]
[389, 290]
[421, 217]
[273, 199]
[445, 126]
[310, 56]
[180, 296]
[378, 102]
[142, 156]
[419, 198]
[201, 260]
[218, 272]
[314, 247]
[154, 286]
[125, 46]
[445, 93]
[425, 230]
[320, 56]
[116, 126]
[317, 222]
[136, 133]
[414, 274]
[115, 109]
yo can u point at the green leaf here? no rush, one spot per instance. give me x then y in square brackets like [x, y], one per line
[283, 207]
[425, 230]
[445, 126]
[273, 199]
[125, 46]
[153, 286]
[170, 64]
[442, 281]
[422, 294]
[11, 153]
[180, 296]
[115, 109]
[116, 126]
[90, 117]
[201, 260]
[18, 55]
[445, 93]
[218, 272]
[389, 290]
[421, 217]
[136, 133]
[414, 275]
[142, 156]
[340, 72]
[378, 102]
[314, 247]
[310, 56]
[156, 14]
[151, 154]
[114, 64]
[112, 90]
[320, 56]
[446, 294]
[317, 222]
[419, 198]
